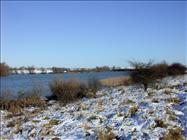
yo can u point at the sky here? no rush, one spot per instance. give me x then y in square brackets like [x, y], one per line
[88, 34]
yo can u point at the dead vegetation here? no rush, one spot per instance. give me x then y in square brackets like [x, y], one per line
[160, 123]
[15, 106]
[73, 89]
[133, 110]
[106, 134]
[116, 81]
[174, 134]
[173, 100]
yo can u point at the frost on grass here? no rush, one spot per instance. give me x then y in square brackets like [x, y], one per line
[120, 112]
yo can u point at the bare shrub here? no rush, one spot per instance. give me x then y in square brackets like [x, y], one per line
[160, 70]
[68, 91]
[73, 89]
[176, 69]
[4, 69]
[142, 73]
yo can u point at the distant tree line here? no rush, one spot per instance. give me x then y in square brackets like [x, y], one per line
[6, 70]
[146, 69]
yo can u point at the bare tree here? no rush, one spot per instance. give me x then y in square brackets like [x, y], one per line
[4, 69]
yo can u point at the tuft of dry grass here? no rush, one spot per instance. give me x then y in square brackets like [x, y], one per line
[55, 138]
[155, 100]
[51, 123]
[16, 106]
[106, 134]
[66, 91]
[116, 81]
[172, 115]
[174, 134]
[11, 124]
[86, 126]
[160, 123]
[133, 110]
[73, 89]
[174, 100]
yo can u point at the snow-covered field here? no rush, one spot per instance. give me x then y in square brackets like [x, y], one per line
[128, 112]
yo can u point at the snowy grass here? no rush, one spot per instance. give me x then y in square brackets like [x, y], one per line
[107, 116]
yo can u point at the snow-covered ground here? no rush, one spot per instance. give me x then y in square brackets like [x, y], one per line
[129, 112]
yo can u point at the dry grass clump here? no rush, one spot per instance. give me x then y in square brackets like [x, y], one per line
[55, 138]
[155, 100]
[11, 124]
[174, 100]
[130, 101]
[73, 89]
[106, 134]
[86, 126]
[133, 110]
[68, 91]
[65, 91]
[51, 123]
[15, 106]
[172, 115]
[174, 134]
[93, 85]
[160, 123]
[116, 81]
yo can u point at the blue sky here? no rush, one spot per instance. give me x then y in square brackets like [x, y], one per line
[89, 34]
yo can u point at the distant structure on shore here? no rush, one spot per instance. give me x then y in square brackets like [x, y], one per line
[34, 70]
[6, 70]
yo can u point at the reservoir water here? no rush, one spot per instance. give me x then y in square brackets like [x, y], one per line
[17, 83]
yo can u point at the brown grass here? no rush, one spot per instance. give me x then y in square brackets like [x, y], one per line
[160, 123]
[68, 91]
[174, 100]
[51, 123]
[106, 135]
[174, 134]
[116, 81]
[15, 106]
[133, 110]
[73, 89]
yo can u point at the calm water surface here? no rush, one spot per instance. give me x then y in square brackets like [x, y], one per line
[15, 83]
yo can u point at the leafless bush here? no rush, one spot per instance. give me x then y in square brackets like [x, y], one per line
[68, 91]
[176, 69]
[4, 69]
[142, 73]
[73, 89]
[160, 70]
